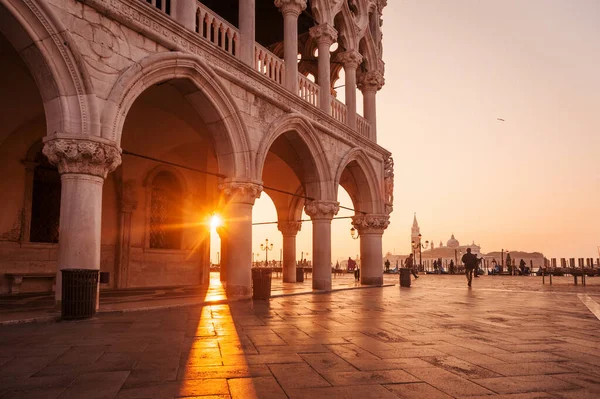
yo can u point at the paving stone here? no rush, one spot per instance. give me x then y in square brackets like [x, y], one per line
[327, 362]
[417, 390]
[25, 366]
[532, 383]
[291, 376]
[95, 385]
[532, 368]
[189, 388]
[388, 364]
[257, 387]
[210, 372]
[368, 377]
[362, 392]
[448, 382]
[529, 395]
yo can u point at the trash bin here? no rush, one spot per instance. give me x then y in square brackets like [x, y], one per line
[405, 277]
[261, 282]
[299, 274]
[79, 290]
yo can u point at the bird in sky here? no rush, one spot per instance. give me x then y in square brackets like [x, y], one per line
[500, 119]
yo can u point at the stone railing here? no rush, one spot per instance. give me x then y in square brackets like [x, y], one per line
[339, 110]
[363, 126]
[308, 91]
[268, 63]
[162, 5]
[215, 29]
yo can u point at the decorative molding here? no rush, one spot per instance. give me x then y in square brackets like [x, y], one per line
[388, 179]
[294, 7]
[289, 228]
[370, 81]
[321, 209]
[241, 191]
[373, 224]
[324, 33]
[81, 156]
[350, 59]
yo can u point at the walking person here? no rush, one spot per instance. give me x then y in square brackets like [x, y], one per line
[409, 263]
[470, 262]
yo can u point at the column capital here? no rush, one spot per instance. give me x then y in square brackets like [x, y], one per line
[82, 156]
[321, 209]
[294, 7]
[370, 81]
[324, 33]
[370, 224]
[241, 191]
[289, 228]
[350, 59]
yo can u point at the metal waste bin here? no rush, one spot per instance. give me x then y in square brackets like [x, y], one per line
[405, 277]
[299, 274]
[261, 282]
[79, 290]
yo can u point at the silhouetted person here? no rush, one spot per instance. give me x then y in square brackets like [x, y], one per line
[387, 265]
[409, 263]
[451, 267]
[470, 262]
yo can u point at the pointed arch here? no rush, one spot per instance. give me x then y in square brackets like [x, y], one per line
[367, 192]
[211, 100]
[315, 160]
[46, 46]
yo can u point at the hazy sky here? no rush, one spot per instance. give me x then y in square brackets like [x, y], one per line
[452, 68]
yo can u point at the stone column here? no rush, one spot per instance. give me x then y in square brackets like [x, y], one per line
[289, 230]
[240, 197]
[370, 228]
[247, 11]
[369, 83]
[351, 60]
[128, 205]
[291, 9]
[83, 165]
[184, 12]
[222, 231]
[321, 213]
[325, 35]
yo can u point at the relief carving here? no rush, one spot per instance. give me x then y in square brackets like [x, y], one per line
[244, 192]
[370, 223]
[388, 179]
[82, 156]
[289, 228]
[321, 209]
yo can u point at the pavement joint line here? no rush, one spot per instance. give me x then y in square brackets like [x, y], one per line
[54, 318]
[592, 305]
[505, 290]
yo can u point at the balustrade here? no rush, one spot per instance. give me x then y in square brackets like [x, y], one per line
[163, 5]
[363, 126]
[307, 90]
[216, 30]
[268, 63]
[339, 110]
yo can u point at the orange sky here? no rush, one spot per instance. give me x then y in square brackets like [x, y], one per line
[530, 183]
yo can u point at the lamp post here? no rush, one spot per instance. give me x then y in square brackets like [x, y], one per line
[266, 247]
[218, 260]
[354, 233]
[302, 256]
[419, 245]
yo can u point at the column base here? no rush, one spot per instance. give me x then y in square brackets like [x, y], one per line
[238, 291]
[322, 285]
[289, 279]
[371, 280]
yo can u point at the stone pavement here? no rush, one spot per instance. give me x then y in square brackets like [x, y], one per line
[437, 339]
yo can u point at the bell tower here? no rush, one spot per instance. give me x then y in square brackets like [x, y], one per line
[415, 231]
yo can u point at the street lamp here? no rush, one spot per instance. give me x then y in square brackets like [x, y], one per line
[266, 247]
[354, 233]
[419, 245]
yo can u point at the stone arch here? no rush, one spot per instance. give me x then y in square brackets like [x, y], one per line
[211, 100]
[314, 155]
[46, 46]
[366, 191]
[151, 174]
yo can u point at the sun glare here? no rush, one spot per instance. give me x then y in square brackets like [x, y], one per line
[215, 222]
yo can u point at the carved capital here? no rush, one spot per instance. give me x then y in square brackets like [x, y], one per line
[370, 224]
[289, 228]
[350, 59]
[324, 33]
[370, 81]
[241, 191]
[294, 7]
[82, 156]
[321, 209]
